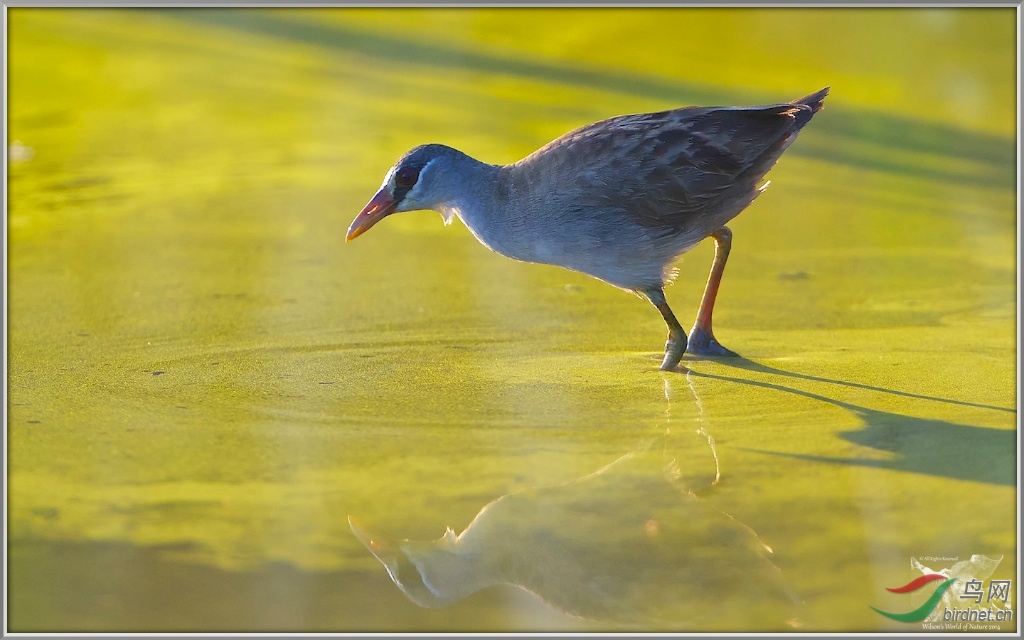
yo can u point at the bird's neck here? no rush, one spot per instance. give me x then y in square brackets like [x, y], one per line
[480, 199]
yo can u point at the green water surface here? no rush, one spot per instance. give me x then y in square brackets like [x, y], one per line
[206, 382]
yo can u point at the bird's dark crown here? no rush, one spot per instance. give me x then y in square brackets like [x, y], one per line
[412, 163]
[420, 156]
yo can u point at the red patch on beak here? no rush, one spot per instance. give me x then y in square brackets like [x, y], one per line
[379, 207]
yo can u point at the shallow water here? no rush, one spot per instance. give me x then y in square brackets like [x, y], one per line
[206, 383]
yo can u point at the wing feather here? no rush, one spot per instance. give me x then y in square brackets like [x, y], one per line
[668, 170]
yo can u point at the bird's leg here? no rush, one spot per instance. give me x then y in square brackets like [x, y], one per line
[676, 345]
[702, 340]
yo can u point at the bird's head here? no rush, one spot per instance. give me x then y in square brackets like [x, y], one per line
[415, 182]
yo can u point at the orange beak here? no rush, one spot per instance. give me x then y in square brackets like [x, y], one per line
[379, 207]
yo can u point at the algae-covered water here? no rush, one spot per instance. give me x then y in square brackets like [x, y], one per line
[222, 417]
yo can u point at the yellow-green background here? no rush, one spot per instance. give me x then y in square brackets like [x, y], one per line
[205, 381]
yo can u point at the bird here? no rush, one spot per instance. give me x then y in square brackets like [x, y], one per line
[620, 199]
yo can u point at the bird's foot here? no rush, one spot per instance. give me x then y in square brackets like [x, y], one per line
[703, 343]
[674, 350]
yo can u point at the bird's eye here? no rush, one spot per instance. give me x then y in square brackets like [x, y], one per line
[406, 176]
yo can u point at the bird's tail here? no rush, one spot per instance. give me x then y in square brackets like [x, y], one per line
[815, 101]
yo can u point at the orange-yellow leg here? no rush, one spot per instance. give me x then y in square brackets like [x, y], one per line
[702, 339]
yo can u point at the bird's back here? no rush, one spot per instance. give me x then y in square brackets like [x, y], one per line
[682, 172]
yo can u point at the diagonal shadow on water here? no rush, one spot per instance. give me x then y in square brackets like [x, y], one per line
[920, 445]
[750, 365]
[845, 129]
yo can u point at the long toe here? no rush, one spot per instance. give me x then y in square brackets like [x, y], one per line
[703, 343]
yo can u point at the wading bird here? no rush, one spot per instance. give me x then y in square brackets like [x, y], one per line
[620, 199]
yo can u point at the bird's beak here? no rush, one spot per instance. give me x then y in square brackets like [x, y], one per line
[380, 206]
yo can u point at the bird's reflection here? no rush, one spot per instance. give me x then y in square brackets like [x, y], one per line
[632, 543]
